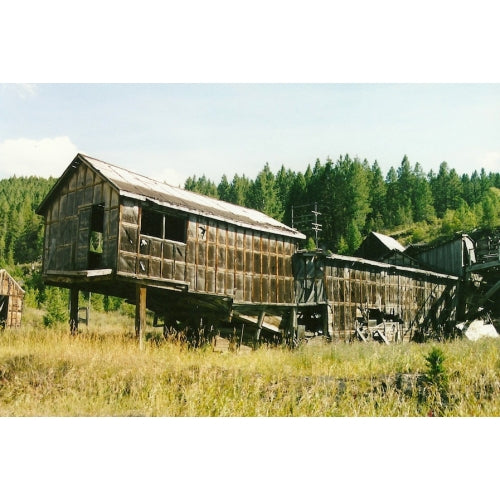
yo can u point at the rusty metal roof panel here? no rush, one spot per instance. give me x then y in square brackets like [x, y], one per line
[137, 186]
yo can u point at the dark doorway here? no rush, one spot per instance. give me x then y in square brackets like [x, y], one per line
[96, 239]
[4, 308]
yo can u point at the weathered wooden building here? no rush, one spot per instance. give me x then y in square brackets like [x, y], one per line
[189, 257]
[111, 231]
[383, 248]
[482, 275]
[450, 256]
[342, 293]
[11, 301]
[376, 246]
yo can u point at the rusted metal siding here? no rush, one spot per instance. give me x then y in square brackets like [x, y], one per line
[67, 223]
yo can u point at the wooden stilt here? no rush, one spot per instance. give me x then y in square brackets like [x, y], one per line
[140, 312]
[327, 321]
[165, 325]
[294, 327]
[73, 311]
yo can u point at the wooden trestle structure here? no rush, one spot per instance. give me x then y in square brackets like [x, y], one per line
[191, 258]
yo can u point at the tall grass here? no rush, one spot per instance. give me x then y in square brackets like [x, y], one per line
[102, 372]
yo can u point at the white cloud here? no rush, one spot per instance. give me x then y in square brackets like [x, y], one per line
[21, 90]
[25, 90]
[43, 158]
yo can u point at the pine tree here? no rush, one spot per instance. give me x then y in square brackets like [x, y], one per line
[239, 189]
[446, 190]
[263, 194]
[353, 237]
[377, 195]
[57, 307]
[224, 189]
[422, 201]
[391, 205]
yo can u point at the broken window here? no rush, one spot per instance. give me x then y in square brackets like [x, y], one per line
[152, 223]
[175, 228]
[165, 226]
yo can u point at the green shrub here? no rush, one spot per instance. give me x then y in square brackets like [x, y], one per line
[57, 307]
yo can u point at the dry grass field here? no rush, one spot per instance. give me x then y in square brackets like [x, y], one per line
[102, 372]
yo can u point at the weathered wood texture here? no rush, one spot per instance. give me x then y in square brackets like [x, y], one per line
[347, 286]
[68, 223]
[449, 257]
[217, 258]
[89, 225]
[11, 301]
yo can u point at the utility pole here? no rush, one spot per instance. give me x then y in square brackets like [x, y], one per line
[301, 219]
[316, 227]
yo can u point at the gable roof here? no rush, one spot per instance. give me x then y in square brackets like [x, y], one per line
[5, 276]
[389, 242]
[140, 187]
[376, 245]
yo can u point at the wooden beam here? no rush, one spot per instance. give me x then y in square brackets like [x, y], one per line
[360, 333]
[494, 289]
[383, 337]
[88, 273]
[484, 266]
[140, 312]
[73, 311]
[156, 282]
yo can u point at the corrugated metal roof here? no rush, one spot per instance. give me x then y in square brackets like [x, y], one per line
[137, 186]
[376, 264]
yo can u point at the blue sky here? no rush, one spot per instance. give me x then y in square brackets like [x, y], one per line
[171, 131]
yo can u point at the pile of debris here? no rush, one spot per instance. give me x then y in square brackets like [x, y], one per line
[478, 328]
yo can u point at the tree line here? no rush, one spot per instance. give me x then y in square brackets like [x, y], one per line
[354, 198]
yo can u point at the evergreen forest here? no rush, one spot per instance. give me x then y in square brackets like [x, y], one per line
[351, 198]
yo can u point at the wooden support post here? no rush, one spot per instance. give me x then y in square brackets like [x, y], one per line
[140, 312]
[262, 315]
[294, 331]
[327, 321]
[73, 310]
[165, 325]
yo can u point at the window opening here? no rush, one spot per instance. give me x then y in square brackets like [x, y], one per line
[175, 228]
[152, 223]
[165, 226]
